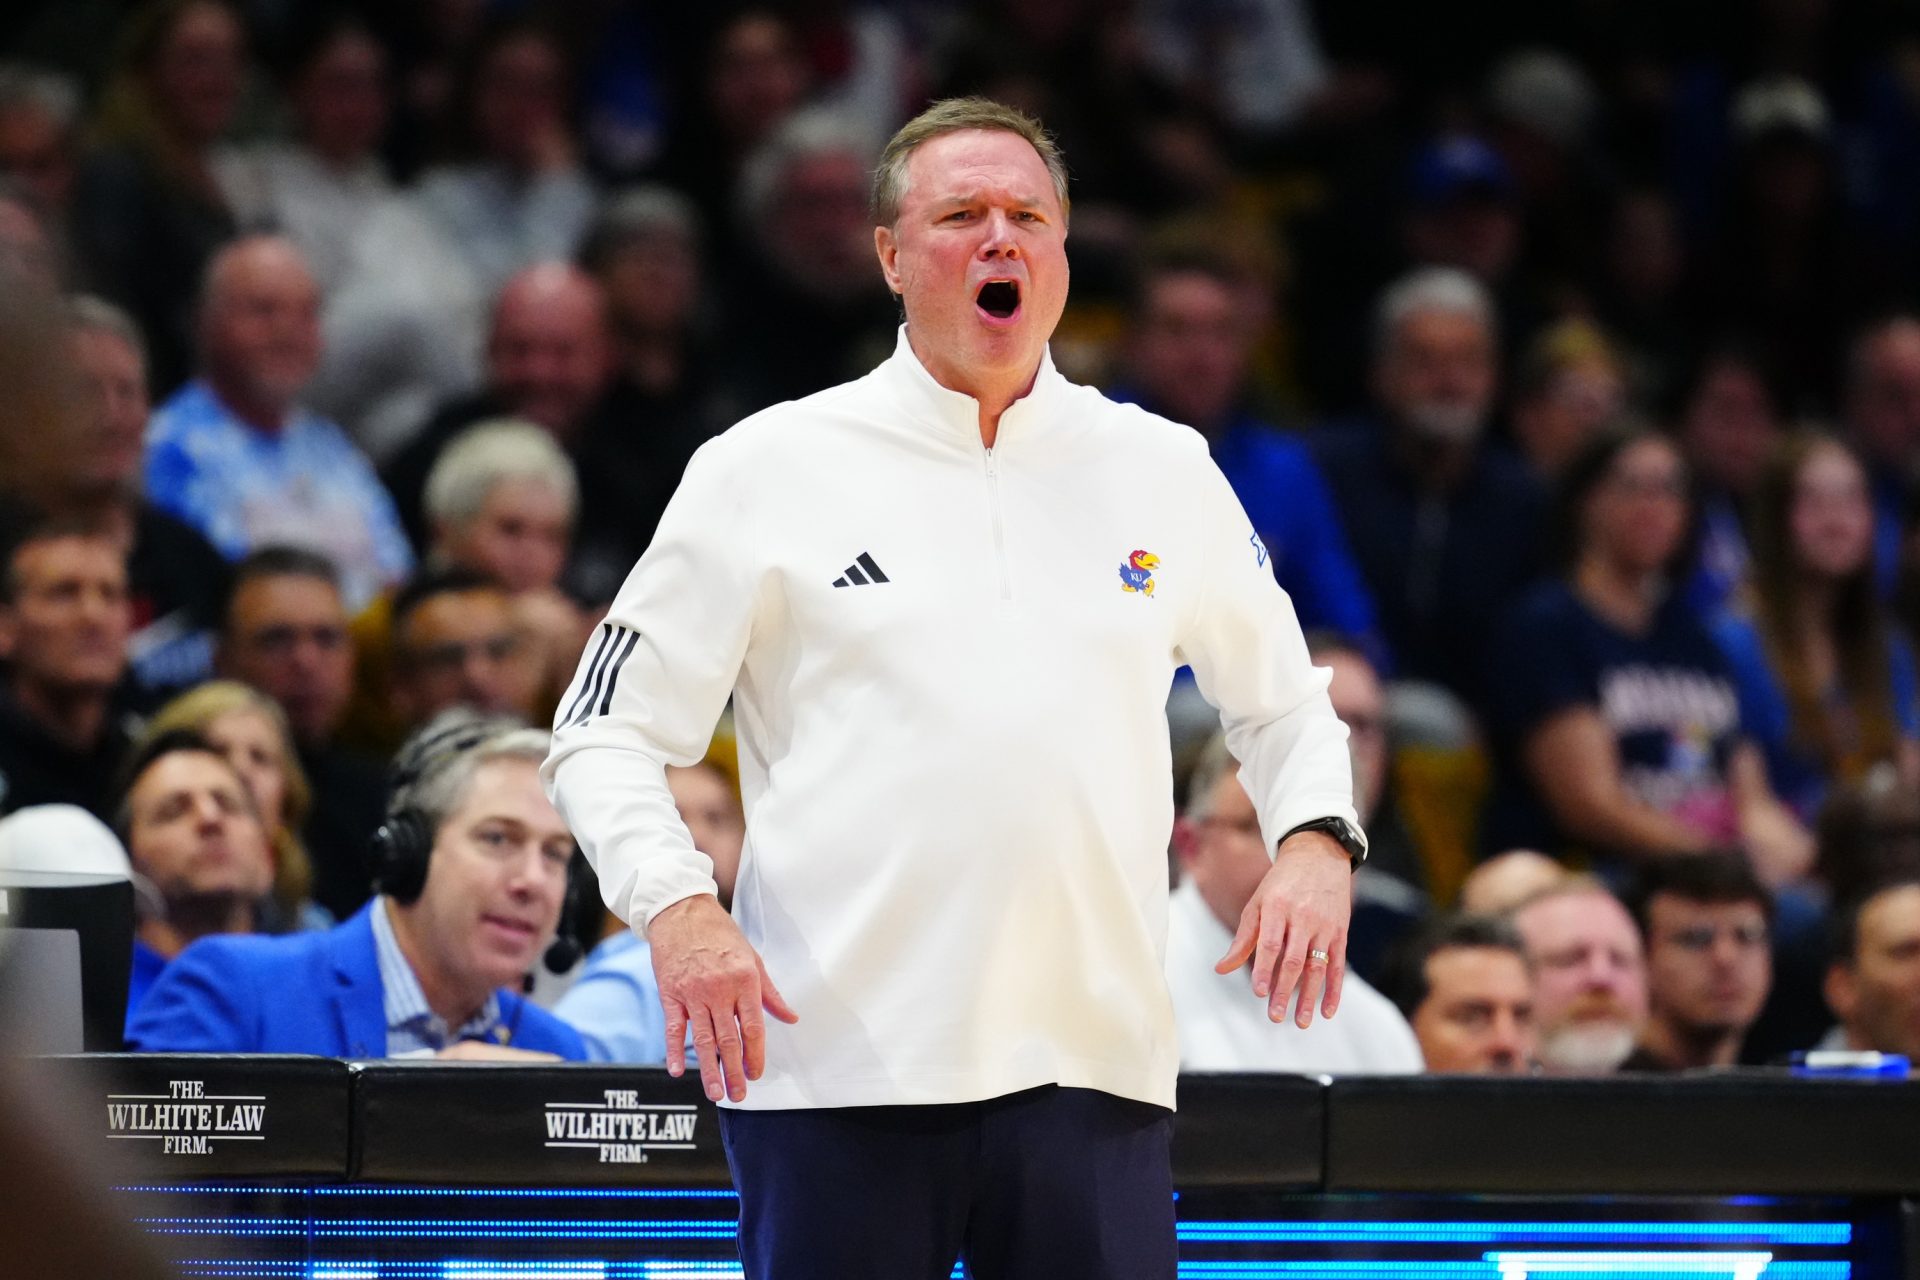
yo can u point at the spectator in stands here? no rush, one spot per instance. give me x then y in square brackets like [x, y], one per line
[1590, 997]
[1222, 857]
[1873, 985]
[198, 847]
[1570, 384]
[644, 247]
[64, 621]
[1881, 408]
[550, 362]
[473, 876]
[802, 308]
[251, 731]
[752, 74]
[1506, 880]
[615, 1002]
[39, 119]
[1826, 685]
[286, 634]
[1868, 832]
[405, 328]
[234, 454]
[1707, 925]
[514, 193]
[1189, 357]
[1445, 529]
[30, 252]
[1615, 708]
[320, 187]
[1728, 422]
[175, 579]
[148, 213]
[1464, 210]
[455, 644]
[1637, 292]
[1390, 890]
[1466, 987]
[501, 502]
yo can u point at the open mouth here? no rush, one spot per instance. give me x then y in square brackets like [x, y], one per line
[999, 299]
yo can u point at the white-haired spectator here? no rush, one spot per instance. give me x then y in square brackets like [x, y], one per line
[1443, 528]
[501, 502]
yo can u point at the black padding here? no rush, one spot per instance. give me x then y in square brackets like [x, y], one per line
[495, 1125]
[1249, 1130]
[192, 1116]
[1720, 1133]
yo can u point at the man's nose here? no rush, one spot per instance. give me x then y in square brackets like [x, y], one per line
[999, 242]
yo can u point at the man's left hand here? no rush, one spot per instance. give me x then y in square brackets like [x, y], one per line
[1295, 928]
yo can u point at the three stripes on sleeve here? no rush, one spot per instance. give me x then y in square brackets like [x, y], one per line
[595, 696]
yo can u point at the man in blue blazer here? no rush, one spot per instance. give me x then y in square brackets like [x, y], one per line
[472, 872]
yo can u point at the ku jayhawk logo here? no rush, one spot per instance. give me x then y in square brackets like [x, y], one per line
[1137, 573]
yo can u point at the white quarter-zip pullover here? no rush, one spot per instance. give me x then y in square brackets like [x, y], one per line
[949, 668]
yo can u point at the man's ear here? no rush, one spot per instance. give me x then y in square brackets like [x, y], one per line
[1186, 841]
[887, 248]
[9, 632]
[1842, 990]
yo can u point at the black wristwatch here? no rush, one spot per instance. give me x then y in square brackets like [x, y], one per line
[1344, 832]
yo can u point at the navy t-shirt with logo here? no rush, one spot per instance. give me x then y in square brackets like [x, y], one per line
[1667, 694]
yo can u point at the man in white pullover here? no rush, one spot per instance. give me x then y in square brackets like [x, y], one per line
[948, 600]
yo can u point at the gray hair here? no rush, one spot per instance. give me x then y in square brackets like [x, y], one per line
[36, 88]
[1444, 289]
[633, 216]
[445, 755]
[955, 115]
[90, 313]
[486, 454]
[814, 131]
[1214, 763]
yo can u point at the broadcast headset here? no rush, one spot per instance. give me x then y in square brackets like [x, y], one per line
[402, 845]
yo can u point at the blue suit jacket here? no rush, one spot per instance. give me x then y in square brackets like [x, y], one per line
[314, 993]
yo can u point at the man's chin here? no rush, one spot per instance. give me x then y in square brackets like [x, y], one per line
[1587, 1048]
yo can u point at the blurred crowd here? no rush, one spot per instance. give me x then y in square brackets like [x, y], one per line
[1566, 358]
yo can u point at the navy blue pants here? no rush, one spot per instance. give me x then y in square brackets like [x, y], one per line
[1046, 1184]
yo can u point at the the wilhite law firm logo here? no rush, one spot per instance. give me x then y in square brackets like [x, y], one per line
[186, 1120]
[621, 1128]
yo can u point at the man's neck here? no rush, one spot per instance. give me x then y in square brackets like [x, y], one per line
[1434, 465]
[73, 716]
[454, 1000]
[1685, 1047]
[258, 412]
[194, 919]
[995, 391]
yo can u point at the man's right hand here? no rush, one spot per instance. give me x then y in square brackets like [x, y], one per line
[713, 981]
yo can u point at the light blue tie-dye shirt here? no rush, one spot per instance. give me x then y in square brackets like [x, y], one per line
[308, 486]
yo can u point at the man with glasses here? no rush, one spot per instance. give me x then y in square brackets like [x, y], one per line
[455, 644]
[1706, 921]
[284, 631]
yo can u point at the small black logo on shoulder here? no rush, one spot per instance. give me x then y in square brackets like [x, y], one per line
[863, 572]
